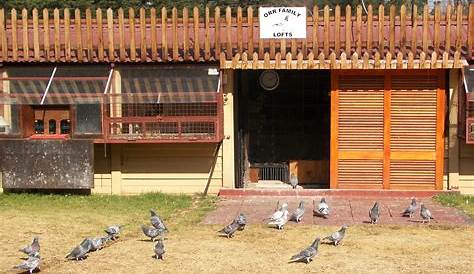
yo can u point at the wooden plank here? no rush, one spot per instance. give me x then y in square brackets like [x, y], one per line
[332, 59]
[293, 47]
[57, 45]
[399, 60]
[3, 36]
[425, 28]
[228, 20]
[90, 48]
[370, 26]
[315, 29]
[459, 27]
[410, 63]
[470, 36]
[250, 29]
[14, 21]
[278, 60]
[67, 35]
[348, 30]
[207, 35]
[377, 63]
[36, 46]
[78, 31]
[255, 60]
[440, 107]
[26, 48]
[355, 61]
[121, 29]
[414, 28]
[387, 110]
[288, 60]
[437, 20]
[334, 153]
[174, 28]
[100, 34]
[110, 31]
[143, 38]
[186, 34]
[403, 28]
[413, 155]
[361, 154]
[392, 29]
[337, 30]
[380, 29]
[197, 49]
[359, 29]
[326, 30]
[164, 32]
[240, 47]
[283, 47]
[131, 25]
[154, 46]
[217, 22]
[447, 43]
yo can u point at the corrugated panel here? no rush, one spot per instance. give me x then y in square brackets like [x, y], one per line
[360, 120]
[361, 82]
[360, 173]
[415, 82]
[412, 174]
[413, 120]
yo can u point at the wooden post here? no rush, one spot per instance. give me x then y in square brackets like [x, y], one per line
[403, 28]
[110, 31]
[239, 30]
[78, 31]
[392, 29]
[14, 35]
[337, 30]
[154, 47]
[57, 45]
[437, 19]
[90, 48]
[250, 29]
[164, 31]
[131, 24]
[3, 36]
[381, 28]
[326, 30]
[26, 48]
[143, 38]
[197, 48]
[440, 107]
[414, 28]
[174, 28]
[333, 164]
[217, 22]
[315, 29]
[36, 46]
[67, 36]
[121, 19]
[459, 27]
[425, 28]
[447, 43]
[100, 34]
[359, 29]
[207, 35]
[370, 25]
[348, 30]
[228, 20]
[470, 36]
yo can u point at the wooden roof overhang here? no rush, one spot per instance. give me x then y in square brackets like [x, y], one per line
[386, 37]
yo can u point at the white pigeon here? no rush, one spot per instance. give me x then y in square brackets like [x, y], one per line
[280, 217]
[322, 210]
[298, 214]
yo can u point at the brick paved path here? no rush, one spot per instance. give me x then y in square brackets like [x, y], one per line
[344, 210]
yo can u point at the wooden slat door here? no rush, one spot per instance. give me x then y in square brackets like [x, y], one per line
[387, 129]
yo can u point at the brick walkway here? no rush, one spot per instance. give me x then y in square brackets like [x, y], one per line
[344, 210]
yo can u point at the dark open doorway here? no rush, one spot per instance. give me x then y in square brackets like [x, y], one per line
[283, 128]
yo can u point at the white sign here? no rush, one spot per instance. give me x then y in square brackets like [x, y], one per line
[282, 22]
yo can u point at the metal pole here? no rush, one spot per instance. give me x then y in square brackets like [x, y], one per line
[47, 87]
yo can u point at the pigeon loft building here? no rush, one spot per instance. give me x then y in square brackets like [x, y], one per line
[185, 101]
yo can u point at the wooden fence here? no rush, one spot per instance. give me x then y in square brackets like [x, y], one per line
[150, 35]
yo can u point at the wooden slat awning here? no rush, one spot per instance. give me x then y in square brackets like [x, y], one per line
[444, 34]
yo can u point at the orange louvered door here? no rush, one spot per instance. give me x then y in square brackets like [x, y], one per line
[387, 130]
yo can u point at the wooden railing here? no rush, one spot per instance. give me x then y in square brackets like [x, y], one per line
[149, 35]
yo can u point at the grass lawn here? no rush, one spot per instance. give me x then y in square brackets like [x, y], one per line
[62, 221]
[464, 202]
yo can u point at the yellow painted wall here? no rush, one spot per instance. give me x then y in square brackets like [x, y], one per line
[466, 168]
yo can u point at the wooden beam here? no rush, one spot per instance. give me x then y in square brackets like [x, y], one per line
[334, 136]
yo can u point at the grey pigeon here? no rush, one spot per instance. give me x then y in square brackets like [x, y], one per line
[30, 264]
[152, 232]
[156, 221]
[280, 217]
[425, 213]
[307, 254]
[322, 210]
[99, 242]
[410, 210]
[299, 213]
[374, 213]
[159, 249]
[293, 180]
[113, 231]
[80, 251]
[33, 248]
[337, 236]
[230, 229]
[241, 220]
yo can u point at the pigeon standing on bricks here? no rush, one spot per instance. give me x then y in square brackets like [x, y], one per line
[425, 214]
[374, 213]
[410, 210]
[33, 248]
[157, 222]
[322, 210]
[241, 220]
[280, 217]
[293, 180]
[31, 264]
[337, 236]
[80, 251]
[152, 232]
[307, 254]
[159, 249]
[113, 231]
[299, 213]
[230, 229]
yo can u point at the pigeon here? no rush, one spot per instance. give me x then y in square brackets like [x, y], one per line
[322, 210]
[99, 242]
[293, 181]
[230, 229]
[374, 213]
[80, 251]
[410, 210]
[157, 222]
[152, 232]
[425, 213]
[113, 231]
[30, 264]
[280, 217]
[307, 254]
[34, 247]
[298, 214]
[337, 236]
[159, 249]
[241, 220]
